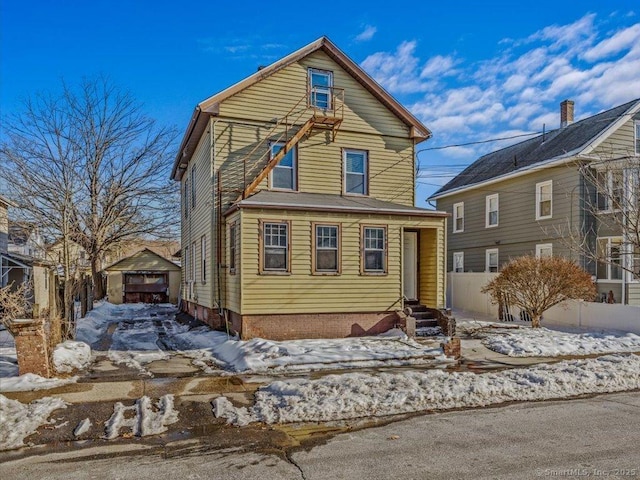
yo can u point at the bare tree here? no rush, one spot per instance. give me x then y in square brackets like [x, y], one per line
[537, 284]
[111, 178]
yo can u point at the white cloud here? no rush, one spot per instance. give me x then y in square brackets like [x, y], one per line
[439, 66]
[622, 40]
[367, 34]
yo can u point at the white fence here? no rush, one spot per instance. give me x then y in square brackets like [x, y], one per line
[463, 293]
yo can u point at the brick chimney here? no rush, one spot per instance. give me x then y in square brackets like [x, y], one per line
[566, 113]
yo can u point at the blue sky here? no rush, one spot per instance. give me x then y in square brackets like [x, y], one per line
[469, 70]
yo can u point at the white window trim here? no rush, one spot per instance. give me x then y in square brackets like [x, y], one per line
[203, 259]
[294, 168]
[543, 246]
[609, 191]
[455, 217]
[329, 74]
[608, 261]
[538, 199]
[487, 255]
[636, 129]
[193, 187]
[487, 211]
[193, 261]
[459, 255]
[365, 174]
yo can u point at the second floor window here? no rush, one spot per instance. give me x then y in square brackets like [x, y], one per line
[185, 199]
[276, 247]
[203, 259]
[492, 211]
[544, 200]
[458, 217]
[637, 129]
[610, 187]
[320, 83]
[193, 186]
[355, 171]
[283, 175]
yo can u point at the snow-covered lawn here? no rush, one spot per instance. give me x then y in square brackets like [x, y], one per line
[19, 420]
[355, 395]
[393, 348]
[542, 342]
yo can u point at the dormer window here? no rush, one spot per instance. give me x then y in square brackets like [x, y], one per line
[320, 84]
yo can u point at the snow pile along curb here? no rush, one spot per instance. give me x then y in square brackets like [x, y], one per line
[69, 356]
[354, 395]
[19, 420]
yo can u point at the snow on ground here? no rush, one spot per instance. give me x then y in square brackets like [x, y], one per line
[542, 342]
[70, 355]
[147, 419]
[393, 348]
[90, 328]
[354, 395]
[82, 427]
[31, 381]
[8, 356]
[19, 420]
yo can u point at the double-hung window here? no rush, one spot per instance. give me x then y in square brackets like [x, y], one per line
[185, 196]
[284, 174]
[491, 219]
[275, 247]
[320, 84]
[355, 171]
[374, 249]
[232, 248]
[458, 217]
[193, 262]
[193, 187]
[637, 130]
[491, 260]
[609, 266]
[458, 262]
[327, 249]
[610, 189]
[544, 200]
[203, 259]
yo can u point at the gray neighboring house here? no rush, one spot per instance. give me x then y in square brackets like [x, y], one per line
[519, 200]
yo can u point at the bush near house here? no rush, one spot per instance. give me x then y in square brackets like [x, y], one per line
[537, 284]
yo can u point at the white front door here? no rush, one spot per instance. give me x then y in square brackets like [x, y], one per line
[410, 265]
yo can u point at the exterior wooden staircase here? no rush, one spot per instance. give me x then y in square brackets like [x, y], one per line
[423, 315]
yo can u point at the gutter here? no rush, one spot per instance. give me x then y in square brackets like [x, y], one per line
[181, 151]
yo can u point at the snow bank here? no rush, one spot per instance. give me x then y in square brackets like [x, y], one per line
[82, 427]
[353, 395]
[19, 420]
[90, 328]
[259, 355]
[31, 381]
[542, 342]
[70, 355]
[147, 419]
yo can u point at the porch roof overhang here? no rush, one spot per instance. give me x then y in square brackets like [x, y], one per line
[321, 202]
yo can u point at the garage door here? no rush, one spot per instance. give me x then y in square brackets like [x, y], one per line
[145, 287]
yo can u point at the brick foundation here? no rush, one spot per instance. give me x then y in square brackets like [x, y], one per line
[33, 346]
[451, 348]
[207, 315]
[318, 325]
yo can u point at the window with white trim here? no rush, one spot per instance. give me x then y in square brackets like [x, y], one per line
[203, 259]
[185, 260]
[458, 217]
[185, 196]
[374, 249]
[193, 187]
[491, 216]
[355, 171]
[327, 248]
[192, 277]
[610, 185]
[491, 260]
[609, 250]
[544, 250]
[637, 130]
[544, 200]
[320, 84]
[284, 174]
[276, 247]
[458, 262]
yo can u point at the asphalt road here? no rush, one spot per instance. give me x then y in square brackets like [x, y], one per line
[595, 437]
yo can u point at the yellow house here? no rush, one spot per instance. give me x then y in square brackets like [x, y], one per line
[298, 216]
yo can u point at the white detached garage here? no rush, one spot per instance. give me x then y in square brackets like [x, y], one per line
[143, 277]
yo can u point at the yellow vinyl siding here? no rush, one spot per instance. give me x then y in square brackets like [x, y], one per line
[320, 163]
[303, 292]
[276, 95]
[199, 222]
[232, 282]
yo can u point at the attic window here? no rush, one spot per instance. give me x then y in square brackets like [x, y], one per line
[320, 84]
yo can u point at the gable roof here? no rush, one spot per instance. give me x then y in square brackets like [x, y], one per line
[578, 138]
[169, 265]
[210, 106]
